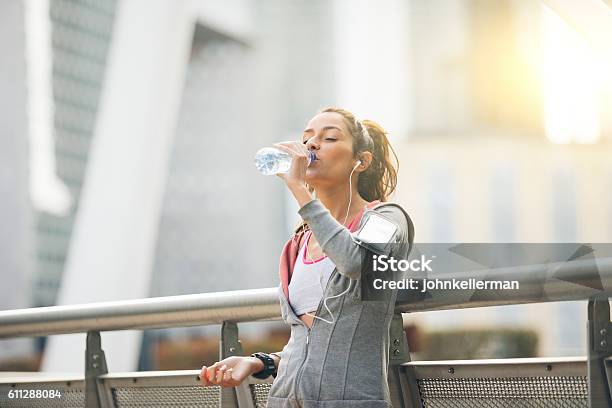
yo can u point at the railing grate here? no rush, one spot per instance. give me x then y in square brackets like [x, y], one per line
[184, 397]
[260, 394]
[527, 392]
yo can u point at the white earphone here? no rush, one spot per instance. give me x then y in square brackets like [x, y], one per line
[350, 280]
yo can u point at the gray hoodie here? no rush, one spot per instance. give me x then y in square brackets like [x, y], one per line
[343, 364]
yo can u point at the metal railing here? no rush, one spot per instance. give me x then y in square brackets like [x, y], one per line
[536, 286]
[541, 382]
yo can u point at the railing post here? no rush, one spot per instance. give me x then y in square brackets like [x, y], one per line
[599, 341]
[240, 396]
[95, 366]
[402, 389]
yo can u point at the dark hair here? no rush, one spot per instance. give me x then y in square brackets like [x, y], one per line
[379, 180]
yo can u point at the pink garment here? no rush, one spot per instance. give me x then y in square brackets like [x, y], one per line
[292, 249]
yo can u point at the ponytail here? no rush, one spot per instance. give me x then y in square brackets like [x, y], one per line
[379, 180]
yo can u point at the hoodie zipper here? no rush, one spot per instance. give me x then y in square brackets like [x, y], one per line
[299, 373]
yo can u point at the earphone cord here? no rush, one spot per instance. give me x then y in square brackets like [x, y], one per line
[350, 280]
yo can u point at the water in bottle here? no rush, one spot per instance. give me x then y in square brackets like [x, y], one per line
[270, 160]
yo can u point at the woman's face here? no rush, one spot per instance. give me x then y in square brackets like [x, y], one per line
[328, 136]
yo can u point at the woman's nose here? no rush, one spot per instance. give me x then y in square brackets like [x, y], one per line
[312, 144]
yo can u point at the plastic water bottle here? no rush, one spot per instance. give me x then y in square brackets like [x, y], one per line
[270, 160]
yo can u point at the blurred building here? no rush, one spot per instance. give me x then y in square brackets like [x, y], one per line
[474, 189]
[70, 40]
[81, 34]
[16, 214]
[220, 217]
[481, 164]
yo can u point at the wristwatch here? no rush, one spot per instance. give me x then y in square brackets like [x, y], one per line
[269, 367]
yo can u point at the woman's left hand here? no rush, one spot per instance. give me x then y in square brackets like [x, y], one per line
[295, 177]
[296, 174]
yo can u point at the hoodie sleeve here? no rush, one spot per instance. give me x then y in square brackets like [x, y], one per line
[337, 241]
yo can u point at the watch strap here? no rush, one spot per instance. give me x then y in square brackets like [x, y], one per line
[269, 366]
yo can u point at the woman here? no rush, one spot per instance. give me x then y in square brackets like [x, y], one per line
[337, 355]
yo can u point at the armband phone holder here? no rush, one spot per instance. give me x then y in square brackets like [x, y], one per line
[377, 233]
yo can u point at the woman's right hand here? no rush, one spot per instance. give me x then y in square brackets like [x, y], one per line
[230, 371]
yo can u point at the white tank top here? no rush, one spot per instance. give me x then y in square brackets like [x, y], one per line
[308, 280]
